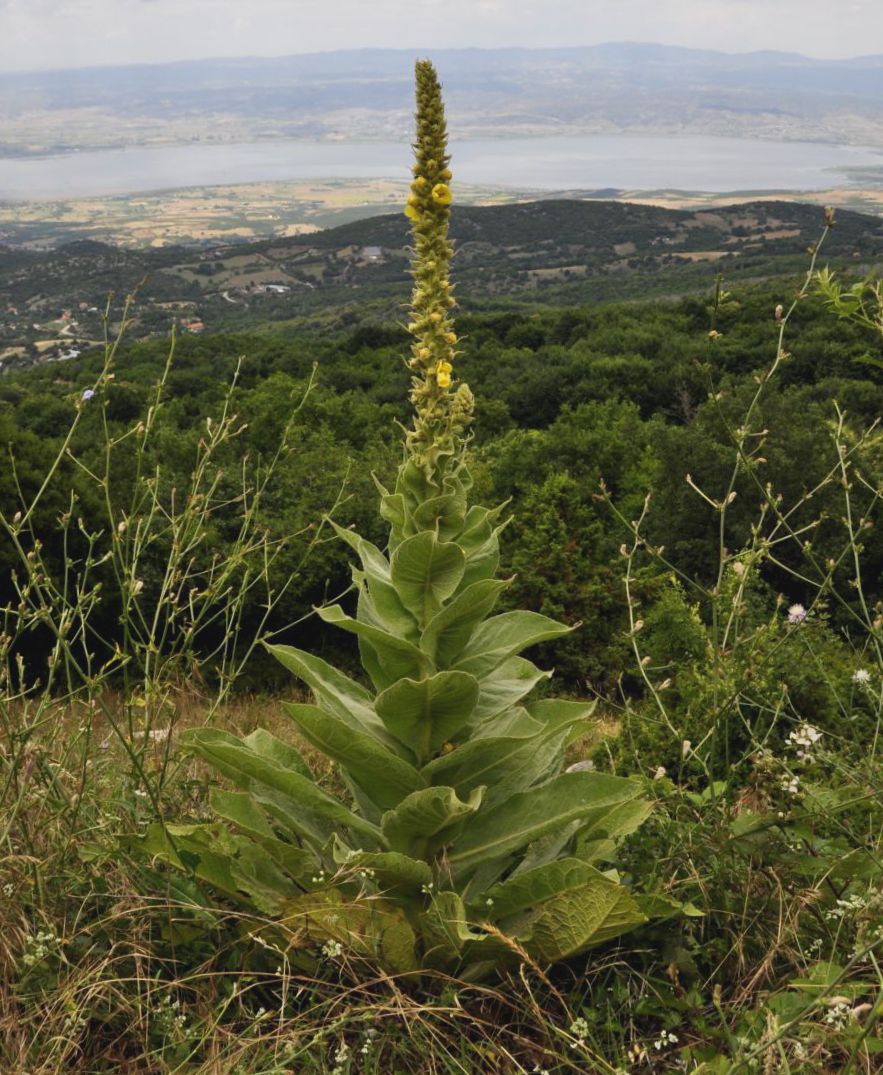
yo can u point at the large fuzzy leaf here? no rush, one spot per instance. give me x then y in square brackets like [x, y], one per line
[231, 864]
[396, 657]
[480, 540]
[372, 928]
[426, 572]
[394, 616]
[240, 808]
[563, 908]
[451, 943]
[390, 870]
[425, 713]
[506, 765]
[383, 776]
[424, 815]
[509, 826]
[450, 629]
[267, 745]
[503, 636]
[335, 692]
[505, 686]
[253, 771]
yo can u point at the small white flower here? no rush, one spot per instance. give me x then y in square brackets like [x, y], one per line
[660, 773]
[861, 676]
[158, 735]
[791, 784]
[332, 949]
[796, 614]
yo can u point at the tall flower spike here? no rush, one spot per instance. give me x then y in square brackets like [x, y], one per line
[437, 432]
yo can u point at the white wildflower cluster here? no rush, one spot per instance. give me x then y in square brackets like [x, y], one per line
[579, 1028]
[804, 738]
[319, 878]
[847, 908]
[39, 946]
[169, 1017]
[796, 614]
[332, 949]
[368, 1043]
[427, 890]
[665, 1039]
[8, 889]
[861, 677]
[341, 1059]
[74, 1024]
[838, 1015]
[791, 784]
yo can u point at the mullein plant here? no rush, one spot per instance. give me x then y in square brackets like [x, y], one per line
[464, 845]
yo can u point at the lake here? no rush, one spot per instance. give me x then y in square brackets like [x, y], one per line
[557, 163]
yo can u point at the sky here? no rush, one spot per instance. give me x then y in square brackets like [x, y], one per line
[40, 34]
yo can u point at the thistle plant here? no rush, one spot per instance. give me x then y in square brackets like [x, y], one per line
[463, 844]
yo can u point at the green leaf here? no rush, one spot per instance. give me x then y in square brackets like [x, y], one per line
[396, 657]
[563, 908]
[425, 814]
[529, 815]
[376, 573]
[249, 769]
[372, 928]
[244, 812]
[426, 713]
[426, 572]
[501, 637]
[383, 776]
[392, 871]
[335, 692]
[507, 685]
[615, 823]
[231, 864]
[266, 745]
[450, 629]
[507, 764]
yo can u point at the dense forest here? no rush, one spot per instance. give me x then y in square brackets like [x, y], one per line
[636, 395]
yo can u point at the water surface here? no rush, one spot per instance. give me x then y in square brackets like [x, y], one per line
[584, 162]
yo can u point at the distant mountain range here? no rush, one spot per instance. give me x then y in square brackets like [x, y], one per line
[638, 88]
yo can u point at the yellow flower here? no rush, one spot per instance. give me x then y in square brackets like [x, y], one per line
[451, 337]
[419, 183]
[443, 379]
[423, 352]
[441, 194]
[411, 212]
[435, 317]
[444, 367]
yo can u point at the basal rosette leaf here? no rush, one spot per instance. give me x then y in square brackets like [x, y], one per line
[563, 908]
[374, 929]
[525, 817]
[273, 782]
